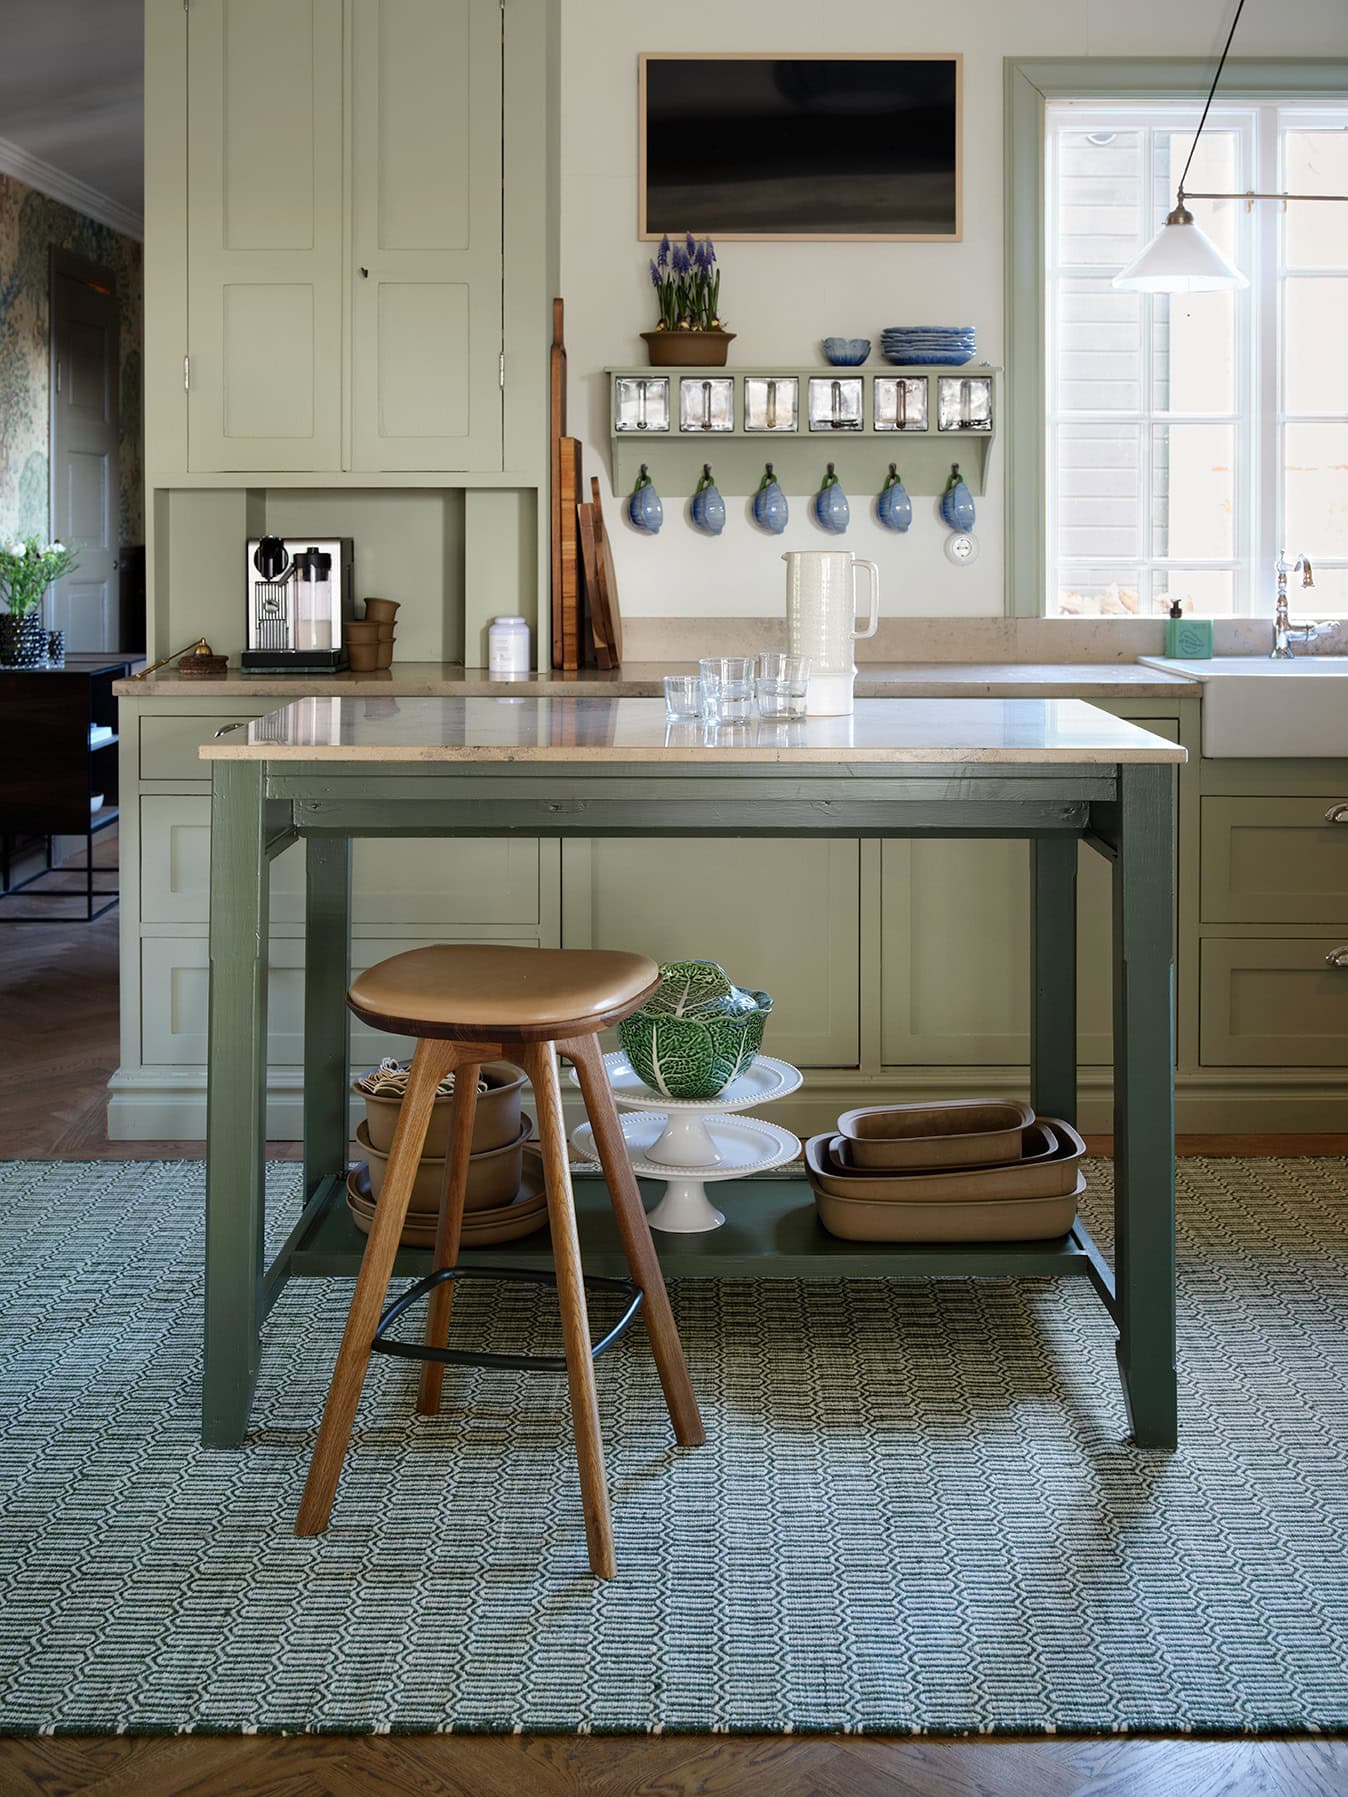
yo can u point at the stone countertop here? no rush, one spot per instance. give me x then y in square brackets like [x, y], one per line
[600, 728]
[640, 680]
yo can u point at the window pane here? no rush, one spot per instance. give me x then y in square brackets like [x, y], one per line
[1097, 592]
[1328, 598]
[1193, 357]
[1216, 169]
[1203, 592]
[1315, 489]
[1315, 236]
[1099, 197]
[1315, 347]
[1099, 365]
[1193, 490]
[1099, 487]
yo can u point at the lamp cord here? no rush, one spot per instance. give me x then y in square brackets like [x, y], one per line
[1211, 91]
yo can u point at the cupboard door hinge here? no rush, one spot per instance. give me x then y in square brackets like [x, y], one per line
[500, 368]
[186, 373]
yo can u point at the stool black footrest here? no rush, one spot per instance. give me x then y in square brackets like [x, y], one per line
[530, 1363]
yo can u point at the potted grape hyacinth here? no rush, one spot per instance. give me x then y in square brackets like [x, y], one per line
[687, 281]
[28, 566]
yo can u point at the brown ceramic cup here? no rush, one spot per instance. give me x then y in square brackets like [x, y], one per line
[363, 658]
[381, 611]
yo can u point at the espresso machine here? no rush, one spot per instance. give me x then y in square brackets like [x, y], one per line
[300, 599]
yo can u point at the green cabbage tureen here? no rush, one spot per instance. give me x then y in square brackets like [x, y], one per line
[697, 1034]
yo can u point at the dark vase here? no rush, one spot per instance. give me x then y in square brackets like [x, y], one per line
[23, 641]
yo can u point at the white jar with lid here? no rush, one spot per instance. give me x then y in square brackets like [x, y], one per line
[508, 646]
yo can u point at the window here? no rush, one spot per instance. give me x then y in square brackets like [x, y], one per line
[1188, 438]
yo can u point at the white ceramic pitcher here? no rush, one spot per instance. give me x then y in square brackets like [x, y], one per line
[821, 621]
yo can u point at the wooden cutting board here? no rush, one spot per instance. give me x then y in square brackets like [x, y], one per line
[589, 561]
[604, 597]
[570, 568]
[558, 515]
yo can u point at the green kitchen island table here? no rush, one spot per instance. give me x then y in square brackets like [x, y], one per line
[1051, 771]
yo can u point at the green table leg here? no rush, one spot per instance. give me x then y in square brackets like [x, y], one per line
[327, 974]
[1053, 982]
[236, 1096]
[1144, 1100]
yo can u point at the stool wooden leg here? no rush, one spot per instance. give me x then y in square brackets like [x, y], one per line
[447, 1230]
[630, 1214]
[429, 1066]
[540, 1063]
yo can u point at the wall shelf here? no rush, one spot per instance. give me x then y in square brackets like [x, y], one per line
[860, 452]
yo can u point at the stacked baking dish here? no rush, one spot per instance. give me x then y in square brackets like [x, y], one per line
[970, 1170]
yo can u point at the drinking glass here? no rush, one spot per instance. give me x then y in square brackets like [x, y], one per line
[727, 688]
[683, 696]
[781, 685]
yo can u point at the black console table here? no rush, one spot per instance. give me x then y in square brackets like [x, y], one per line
[50, 769]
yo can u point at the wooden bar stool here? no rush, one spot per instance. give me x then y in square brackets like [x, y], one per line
[466, 1005]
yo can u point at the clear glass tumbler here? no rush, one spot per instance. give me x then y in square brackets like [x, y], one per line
[781, 685]
[683, 696]
[727, 688]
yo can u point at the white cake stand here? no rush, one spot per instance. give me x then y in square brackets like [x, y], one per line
[690, 1142]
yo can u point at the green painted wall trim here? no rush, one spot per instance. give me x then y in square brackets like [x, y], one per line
[1029, 83]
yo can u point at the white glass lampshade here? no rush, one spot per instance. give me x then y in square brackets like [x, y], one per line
[1180, 259]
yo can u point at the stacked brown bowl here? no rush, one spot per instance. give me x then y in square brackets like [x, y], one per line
[505, 1196]
[369, 640]
[968, 1170]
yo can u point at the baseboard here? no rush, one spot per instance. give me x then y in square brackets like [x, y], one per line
[165, 1104]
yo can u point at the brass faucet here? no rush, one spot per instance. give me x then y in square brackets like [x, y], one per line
[1285, 633]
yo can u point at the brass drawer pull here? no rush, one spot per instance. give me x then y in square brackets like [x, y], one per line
[1337, 957]
[1337, 814]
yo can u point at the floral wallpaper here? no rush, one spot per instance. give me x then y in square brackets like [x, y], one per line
[29, 222]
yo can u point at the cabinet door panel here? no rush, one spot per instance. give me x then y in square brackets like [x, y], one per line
[1273, 861]
[175, 863]
[264, 244]
[780, 917]
[168, 745]
[1273, 1002]
[426, 234]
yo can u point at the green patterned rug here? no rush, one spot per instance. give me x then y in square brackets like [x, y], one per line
[915, 1510]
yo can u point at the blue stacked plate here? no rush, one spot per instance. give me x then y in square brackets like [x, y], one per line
[928, 345]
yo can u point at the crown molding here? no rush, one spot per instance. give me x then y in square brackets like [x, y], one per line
[57, 185]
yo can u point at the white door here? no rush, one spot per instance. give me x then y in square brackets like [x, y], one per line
[84, 472]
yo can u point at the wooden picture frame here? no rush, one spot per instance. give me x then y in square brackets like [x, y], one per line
[945, 182]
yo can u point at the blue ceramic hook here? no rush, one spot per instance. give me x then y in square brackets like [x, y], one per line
[957, 502]
[644, 507]
[708, 505]
[893, 506]
[771, 511]
[830, 504]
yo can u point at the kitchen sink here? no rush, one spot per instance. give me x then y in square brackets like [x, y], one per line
[1253, 706]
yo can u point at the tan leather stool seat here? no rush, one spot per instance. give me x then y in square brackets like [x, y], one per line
[492, 992]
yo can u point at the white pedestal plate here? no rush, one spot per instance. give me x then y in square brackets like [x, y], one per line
[690, 1143]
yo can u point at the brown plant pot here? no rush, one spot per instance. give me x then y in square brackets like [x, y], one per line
[688, 349]
[363, 657]
[381, 611]
[493, 1177]
[495, 1122]
[385, 646]
[362, 630]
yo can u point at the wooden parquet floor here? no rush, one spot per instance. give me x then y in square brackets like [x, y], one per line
[58, 1045]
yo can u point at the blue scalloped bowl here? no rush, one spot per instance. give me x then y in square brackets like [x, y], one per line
[847, 352]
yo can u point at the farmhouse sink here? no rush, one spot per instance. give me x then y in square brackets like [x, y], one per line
[1253, 706]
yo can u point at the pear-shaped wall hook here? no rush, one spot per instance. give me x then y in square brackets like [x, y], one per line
[830, 504]
[957, 502]
[644, 507]
[893, 507]
[771, 511]
[708, 505]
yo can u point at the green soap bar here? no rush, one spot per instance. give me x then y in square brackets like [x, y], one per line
[1189, 639]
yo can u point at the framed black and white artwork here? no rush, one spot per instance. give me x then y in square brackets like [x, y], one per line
[801, 148]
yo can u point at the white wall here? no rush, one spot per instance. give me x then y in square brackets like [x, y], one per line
[782, 298]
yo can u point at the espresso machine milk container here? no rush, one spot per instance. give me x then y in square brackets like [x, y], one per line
[821, 621]
[300, 598]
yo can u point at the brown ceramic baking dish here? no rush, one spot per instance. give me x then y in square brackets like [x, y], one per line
[995, 1220]
[496, 1120]
[527, 1212]
[1046, 1169]
[963, 1132]
[493, 1177]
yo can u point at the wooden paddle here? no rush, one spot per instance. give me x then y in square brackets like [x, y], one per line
[568, 499]
[586, 517]
[557, 516]
[604, 597]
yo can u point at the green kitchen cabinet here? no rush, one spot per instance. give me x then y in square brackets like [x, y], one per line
[1275, 860]
[778, 918]
[264, 235]
[1278, 1002]
[426, 318]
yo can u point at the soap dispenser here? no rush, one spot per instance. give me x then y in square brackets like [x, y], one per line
[1187, 639]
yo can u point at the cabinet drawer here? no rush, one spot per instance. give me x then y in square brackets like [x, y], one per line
[168, 746]
[175, 993]
[470, 880]
[1273, 861]
[1273, 1002]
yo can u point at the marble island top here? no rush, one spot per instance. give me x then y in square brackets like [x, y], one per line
[600, 728]
[642, 679]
